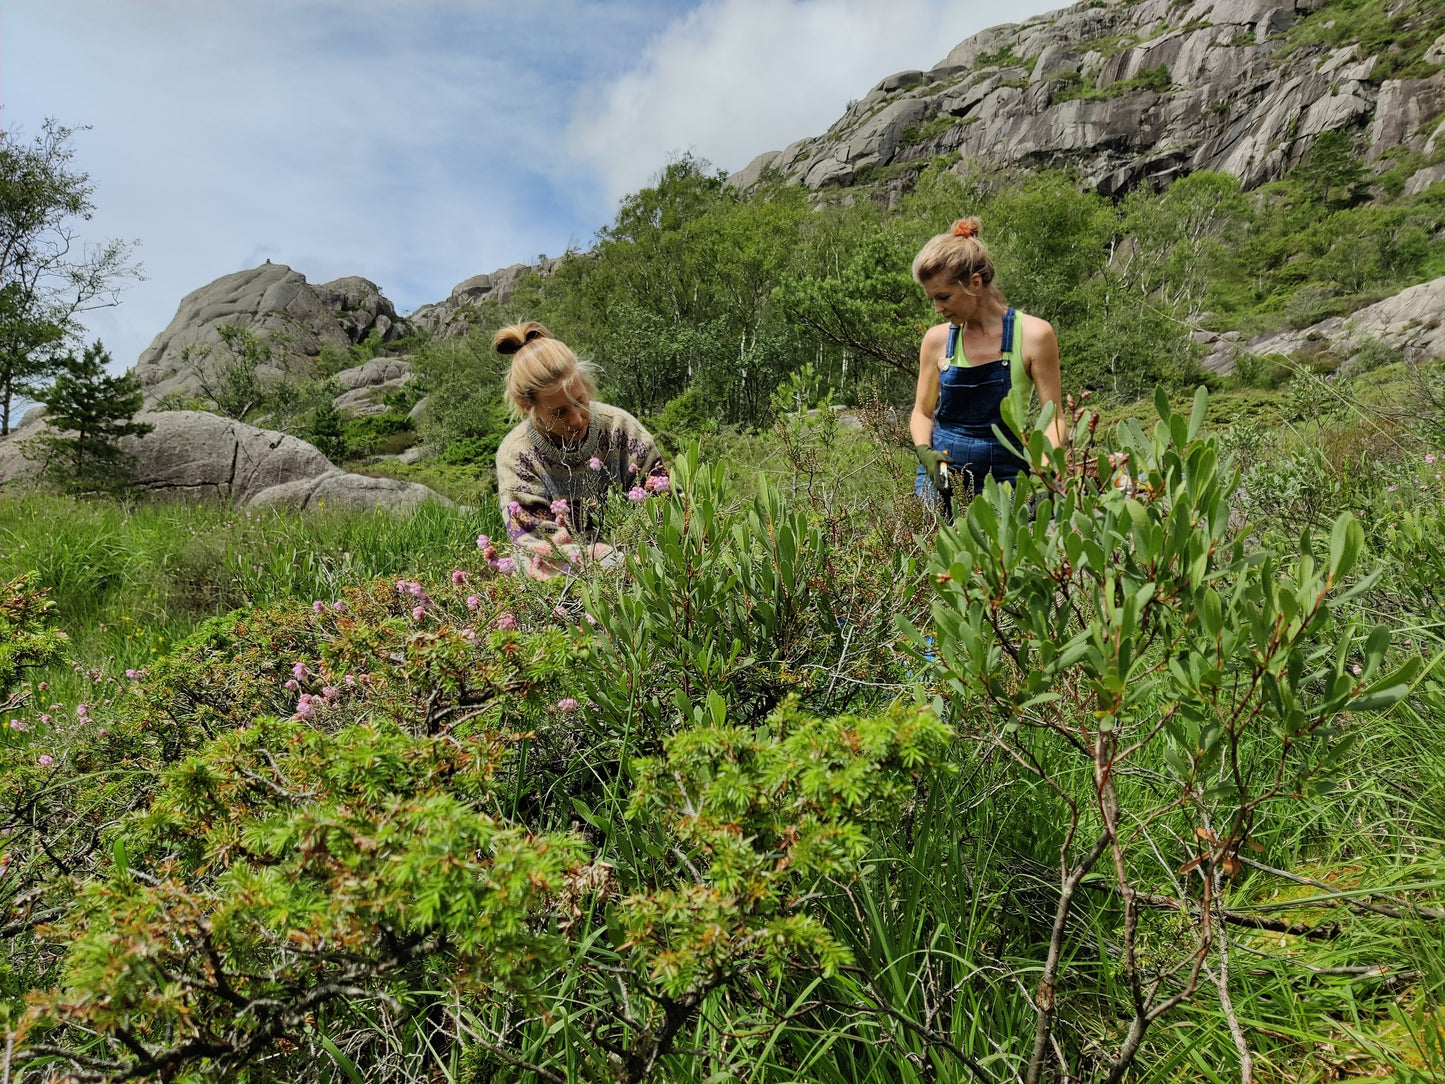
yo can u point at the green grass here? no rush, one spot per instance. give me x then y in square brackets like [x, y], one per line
[129, 581]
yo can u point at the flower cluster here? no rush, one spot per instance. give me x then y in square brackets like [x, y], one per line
[505, 565]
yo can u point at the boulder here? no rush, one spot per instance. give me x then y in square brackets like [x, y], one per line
[1422, 179]
[192, 453]
[374, 372]
[272, 302]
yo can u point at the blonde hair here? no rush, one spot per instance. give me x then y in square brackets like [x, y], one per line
[540, 361]
[960, 254]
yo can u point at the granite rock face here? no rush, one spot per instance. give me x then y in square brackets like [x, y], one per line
[1130, 93]
[270, 300]
[194, 454]
[448, 319]
[1411, 323]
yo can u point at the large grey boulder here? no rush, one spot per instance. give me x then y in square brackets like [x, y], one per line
[1236, 100]
[274, 303]
[195, 454]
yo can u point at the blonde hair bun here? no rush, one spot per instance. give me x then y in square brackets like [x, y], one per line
[511, 339]
[967, 227]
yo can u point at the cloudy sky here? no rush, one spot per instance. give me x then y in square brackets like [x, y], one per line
[419, 142]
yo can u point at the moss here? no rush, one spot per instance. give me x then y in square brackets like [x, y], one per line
[1157, 80]
[923, 133]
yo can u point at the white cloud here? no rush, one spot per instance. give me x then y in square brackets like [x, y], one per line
[735, 78]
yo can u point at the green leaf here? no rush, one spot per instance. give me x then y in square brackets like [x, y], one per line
[1347, 538]
[1161, 402]
[1201, 406]
[345, 1064]
[1389, 690]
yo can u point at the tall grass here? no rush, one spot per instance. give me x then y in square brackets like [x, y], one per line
[131, 580]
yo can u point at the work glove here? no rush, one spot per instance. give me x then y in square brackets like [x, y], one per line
[931, 460]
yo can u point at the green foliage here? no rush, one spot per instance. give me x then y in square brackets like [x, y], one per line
[46, 277]
[90, 411]
[923, 133]
[247, 377]
[27, 636]
[1399, 35]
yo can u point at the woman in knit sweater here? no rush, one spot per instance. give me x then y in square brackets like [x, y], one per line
[554, 469]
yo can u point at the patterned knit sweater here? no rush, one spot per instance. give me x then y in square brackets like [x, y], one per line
[533, 473]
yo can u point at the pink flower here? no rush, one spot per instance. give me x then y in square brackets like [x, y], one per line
[291, 686]
[559, 611]
[506, 566]
[305, 708]
[594, 463]
[414, 589]
[340, 606]
[507, 622]
[318, 607]
[349, 681]
[458, 577]
[659, 483]
[483, 541]
[1356, 669]
[365, 679]
[1429, 458]
[559, 507]
[132, 674]
[45, 760]
[418, 612]
[568, 703]
[401, 587]
[590, 619]
[16, 724]
[44, 720]
[82, 712]
[330, 692]
[473, 602]
[513, 510]
[632, 468]
[299, 670]
[469, 635]
[637, 494]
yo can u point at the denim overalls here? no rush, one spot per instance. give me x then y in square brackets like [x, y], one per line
[969, 397]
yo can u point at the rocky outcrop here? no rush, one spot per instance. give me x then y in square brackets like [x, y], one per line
[192, 453]
[1129, 92]
[274, 303]
[1411, 323]
[449, 318]
[367, 384]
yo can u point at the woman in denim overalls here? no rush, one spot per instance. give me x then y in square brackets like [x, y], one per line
[966, 364]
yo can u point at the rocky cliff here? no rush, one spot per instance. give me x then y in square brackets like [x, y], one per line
[1132, 92]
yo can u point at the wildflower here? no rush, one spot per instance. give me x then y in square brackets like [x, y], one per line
[1356, 669]
[659, 483]
[632, 468]
[559, 611]
[594, 463]
[45, 760]
[507, 622]
[458, 577]
[300, 670]
[506, 566]
[418, 612]
[590, 619]
[559, 507]
[102, 732]
[291, 686]
[132, 674]
[340, 606]
[469, 635]
[401, 587]
[568, 703]
[1391, 489]
[305, 707]
[1429, 459]
[513, 510]
[364, 679]
[473, 602]
[637, 494]
[349, 681]
[318, 607]
[44, 720]
[82, 712]
[330, 692]
[16, 724]
[483, 541]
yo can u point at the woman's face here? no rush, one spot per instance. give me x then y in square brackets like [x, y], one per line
[563, 411]
[950, 299]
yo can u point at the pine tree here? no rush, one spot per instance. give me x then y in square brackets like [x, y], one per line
[89, 411]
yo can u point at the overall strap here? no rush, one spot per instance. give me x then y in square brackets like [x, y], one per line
[951, 347]
[1012, 346]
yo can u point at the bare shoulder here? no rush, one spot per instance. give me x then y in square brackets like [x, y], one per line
[936, 338]
[1037, 332]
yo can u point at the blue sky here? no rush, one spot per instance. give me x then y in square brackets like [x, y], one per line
[420, 142]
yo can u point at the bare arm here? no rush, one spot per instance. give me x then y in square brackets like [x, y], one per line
[920, 422]
[1041, 358]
